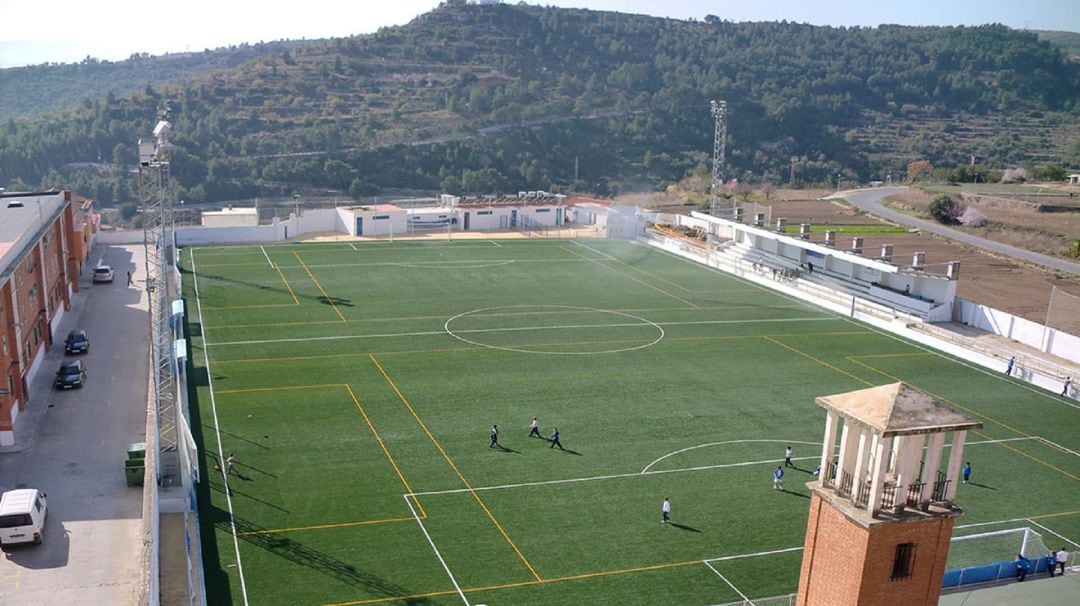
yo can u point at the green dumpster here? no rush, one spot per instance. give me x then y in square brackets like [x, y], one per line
[134, 470]
[136, 451]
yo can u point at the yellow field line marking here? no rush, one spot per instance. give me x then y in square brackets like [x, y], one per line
[291, 293]
[281, 388]
[450, 461]
[322, 526]
[576, 577]
[393, 464]
[625, 275]
[227, 307]
[473, 348]
[319, 286]
[562, 312]
[988, 418]
[819, 361]
[1054, 515]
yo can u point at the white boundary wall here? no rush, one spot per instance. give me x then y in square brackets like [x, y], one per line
[1033, 334]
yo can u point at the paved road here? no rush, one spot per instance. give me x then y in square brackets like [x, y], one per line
[75, 444]
[869, 200]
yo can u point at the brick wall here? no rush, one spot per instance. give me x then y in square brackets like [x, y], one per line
[845, 562]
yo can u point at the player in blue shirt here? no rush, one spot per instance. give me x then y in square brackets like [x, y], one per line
[778, 478]
[555, 439]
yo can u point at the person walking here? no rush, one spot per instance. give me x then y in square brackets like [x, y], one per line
[1062, 557]
[787, 458]
[534, 428]
[1009, 366]
[1051, 562]
[665, 511]
[778, 478]
[1066, 386]
[129, 279]
[555, 440]
[494, 436]
[966, 471]
[230, 464]
[1022, 565]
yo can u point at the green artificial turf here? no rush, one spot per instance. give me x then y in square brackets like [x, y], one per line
[347, 376]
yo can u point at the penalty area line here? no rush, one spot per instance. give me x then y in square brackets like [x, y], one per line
[267, 257]
[436, 550]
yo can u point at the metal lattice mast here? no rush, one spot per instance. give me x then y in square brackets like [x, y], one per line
[156, 207]
[719, 114]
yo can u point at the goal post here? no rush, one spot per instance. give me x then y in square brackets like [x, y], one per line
[991, 556]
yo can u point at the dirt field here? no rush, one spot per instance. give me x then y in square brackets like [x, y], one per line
[988, 279]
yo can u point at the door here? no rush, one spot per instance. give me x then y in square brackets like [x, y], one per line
[466, 224]
[558, 216]
[359, 226]
[513, 218]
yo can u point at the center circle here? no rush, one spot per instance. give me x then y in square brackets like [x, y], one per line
[547, 309]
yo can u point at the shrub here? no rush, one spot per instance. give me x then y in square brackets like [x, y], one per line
[945, 210]
[1014, 175]
[971, 217]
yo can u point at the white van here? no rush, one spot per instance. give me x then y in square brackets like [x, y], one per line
[22, 516]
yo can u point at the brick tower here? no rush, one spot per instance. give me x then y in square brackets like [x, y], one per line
[882, 512]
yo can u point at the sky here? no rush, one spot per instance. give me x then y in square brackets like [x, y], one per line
[67, 31]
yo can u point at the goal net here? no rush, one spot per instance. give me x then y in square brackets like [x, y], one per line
[999, 546]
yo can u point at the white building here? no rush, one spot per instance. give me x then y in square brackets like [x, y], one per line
[231, 217]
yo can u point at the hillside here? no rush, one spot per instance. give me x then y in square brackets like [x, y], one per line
[489, 98]
[52, 87]
[1066, 41]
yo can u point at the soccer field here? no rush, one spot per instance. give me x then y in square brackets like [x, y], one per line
[356, 384]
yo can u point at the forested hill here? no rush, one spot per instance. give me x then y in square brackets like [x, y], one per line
[508, 97]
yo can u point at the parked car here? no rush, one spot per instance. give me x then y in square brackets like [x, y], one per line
[70, 375]
[76, 342]
[103, 273]
[22, 516]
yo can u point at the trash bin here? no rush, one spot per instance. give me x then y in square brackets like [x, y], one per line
[136, 451]
[134, 471]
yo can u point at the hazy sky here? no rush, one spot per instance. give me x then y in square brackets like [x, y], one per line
[36, 31]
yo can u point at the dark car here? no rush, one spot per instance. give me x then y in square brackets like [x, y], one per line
[76, 342]
[70, 375]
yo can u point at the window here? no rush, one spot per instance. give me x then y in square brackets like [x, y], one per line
[381, 217]
[542, 210]
[483, 212]
[904, 562]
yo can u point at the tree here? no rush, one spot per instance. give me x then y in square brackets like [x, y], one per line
[919, 169]
[768, 190]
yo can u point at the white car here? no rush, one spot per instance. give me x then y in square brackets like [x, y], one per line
[103, 273]
[22, 516]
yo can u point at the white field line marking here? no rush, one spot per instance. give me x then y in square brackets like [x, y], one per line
[599, 252]
[514, 329]
[436, 550]
[910, 343]
[264, 254]
[1056, 445]
[754, 555]
[453, 264]
[1063, 538]
[729, 584]
[217, 431]
[353, 247]
[596, 478]
[438, 263]
[495, 243]
[993, 441]
[671, 454]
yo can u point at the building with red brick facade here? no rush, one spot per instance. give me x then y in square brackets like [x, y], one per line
[38, 275]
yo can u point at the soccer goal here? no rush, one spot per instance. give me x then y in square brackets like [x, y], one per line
[991, 556]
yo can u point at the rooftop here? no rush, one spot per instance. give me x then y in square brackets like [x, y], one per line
[22, 216]
[897, 409]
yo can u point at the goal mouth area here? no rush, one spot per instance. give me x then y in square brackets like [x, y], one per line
[988, 557]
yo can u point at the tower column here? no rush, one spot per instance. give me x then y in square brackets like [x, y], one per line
[877, 480]
[956, 454]
[829, 445]
[859, 476]
[930, 467]
[910, 449]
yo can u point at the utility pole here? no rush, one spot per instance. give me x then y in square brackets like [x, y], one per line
[719, 114]
[791, 183]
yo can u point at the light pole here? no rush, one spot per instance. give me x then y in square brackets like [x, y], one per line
[837, 182]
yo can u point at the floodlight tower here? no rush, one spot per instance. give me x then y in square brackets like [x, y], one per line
[719, 114]
[156, 206]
